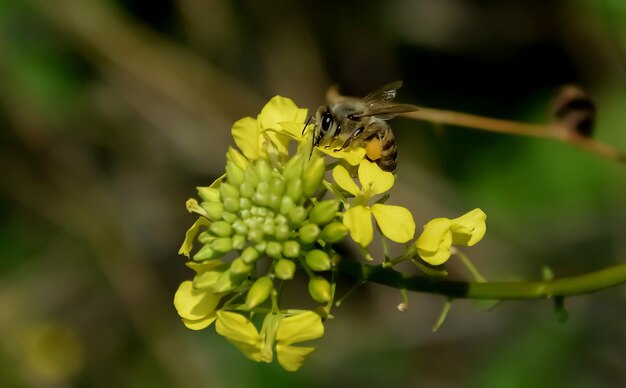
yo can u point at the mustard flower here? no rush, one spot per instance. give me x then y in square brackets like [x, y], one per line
[395, 222]
[279, 332]
[195, 307]
[278, 121]
[435, 242]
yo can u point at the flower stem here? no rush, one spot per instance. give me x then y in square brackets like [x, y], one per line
[469, 265]
[567, 286]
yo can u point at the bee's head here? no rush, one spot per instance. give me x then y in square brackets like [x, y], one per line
[324, 122]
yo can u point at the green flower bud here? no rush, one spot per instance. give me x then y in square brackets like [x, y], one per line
[251, 223]
[231, 204]
[244, 203]
[317, 260]
[309, 233]
[263, 187]
[238, 267]
[274, 249]
[274, 201]
[255, 235]
[324, 212]
[286, 205]
[210, 194]
[240, 227]
[281, 232]
[279, 219]
[225, 282]
[334, 232]
[260, 199]
[251, 177]
[277, 187]
[234, 174]
[294, 189]
[237, 158]
[268, 229]
[297, 215]
[205, 237]
[249, 255]
[262, 212]
[293, 168]
[264, 170]
[221, 229]
[229, 217]
[261, 246]
[285, 269]
[291, 249]
[239, 241]
[259, 292]
[207, 253]
[222, 244]
[229, 191]
[245, 214]
[213, 209]
[312, 176]
[319, 289]
[206, 279]
[246, 189]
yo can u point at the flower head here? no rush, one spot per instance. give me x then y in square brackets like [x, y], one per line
[435, 242]
[395, 222]
[272, 214]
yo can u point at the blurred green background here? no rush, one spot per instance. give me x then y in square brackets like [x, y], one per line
[111, 112]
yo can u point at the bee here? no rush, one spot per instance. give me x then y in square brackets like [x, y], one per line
[363, 122]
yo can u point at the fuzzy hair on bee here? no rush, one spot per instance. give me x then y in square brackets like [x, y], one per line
[362, 122]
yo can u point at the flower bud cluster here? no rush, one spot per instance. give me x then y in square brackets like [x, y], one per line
[259, 212]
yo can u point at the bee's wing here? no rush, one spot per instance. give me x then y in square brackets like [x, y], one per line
[385, 93]
[386, 111]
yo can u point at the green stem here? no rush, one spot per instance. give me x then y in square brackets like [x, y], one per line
[567, 286]
[469, 265]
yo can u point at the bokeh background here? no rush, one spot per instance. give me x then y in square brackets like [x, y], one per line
[112, 111]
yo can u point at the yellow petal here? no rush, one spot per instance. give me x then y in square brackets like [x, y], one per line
[190, 236]
[299, 328]
[433, 245]
[200, 324]
[370, 175]
[280, 109]
[352, 155]
[194, 304]
[396, 222]
[469, 228]
[358, 220]
[292, 129]
[246, 135]
[203, 266]
[237, 328]
[292, 357]
[344, 180]
[253, 352]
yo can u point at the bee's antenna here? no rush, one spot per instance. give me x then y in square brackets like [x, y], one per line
[308, 121]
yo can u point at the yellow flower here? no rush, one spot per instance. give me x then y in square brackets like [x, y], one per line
[395, 222]
[279, 121]
[279, 331]
[435, 242]
[197, 307]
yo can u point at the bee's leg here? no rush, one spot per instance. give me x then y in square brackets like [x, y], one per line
[349, 140]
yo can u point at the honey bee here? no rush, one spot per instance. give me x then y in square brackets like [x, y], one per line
[362, 121]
